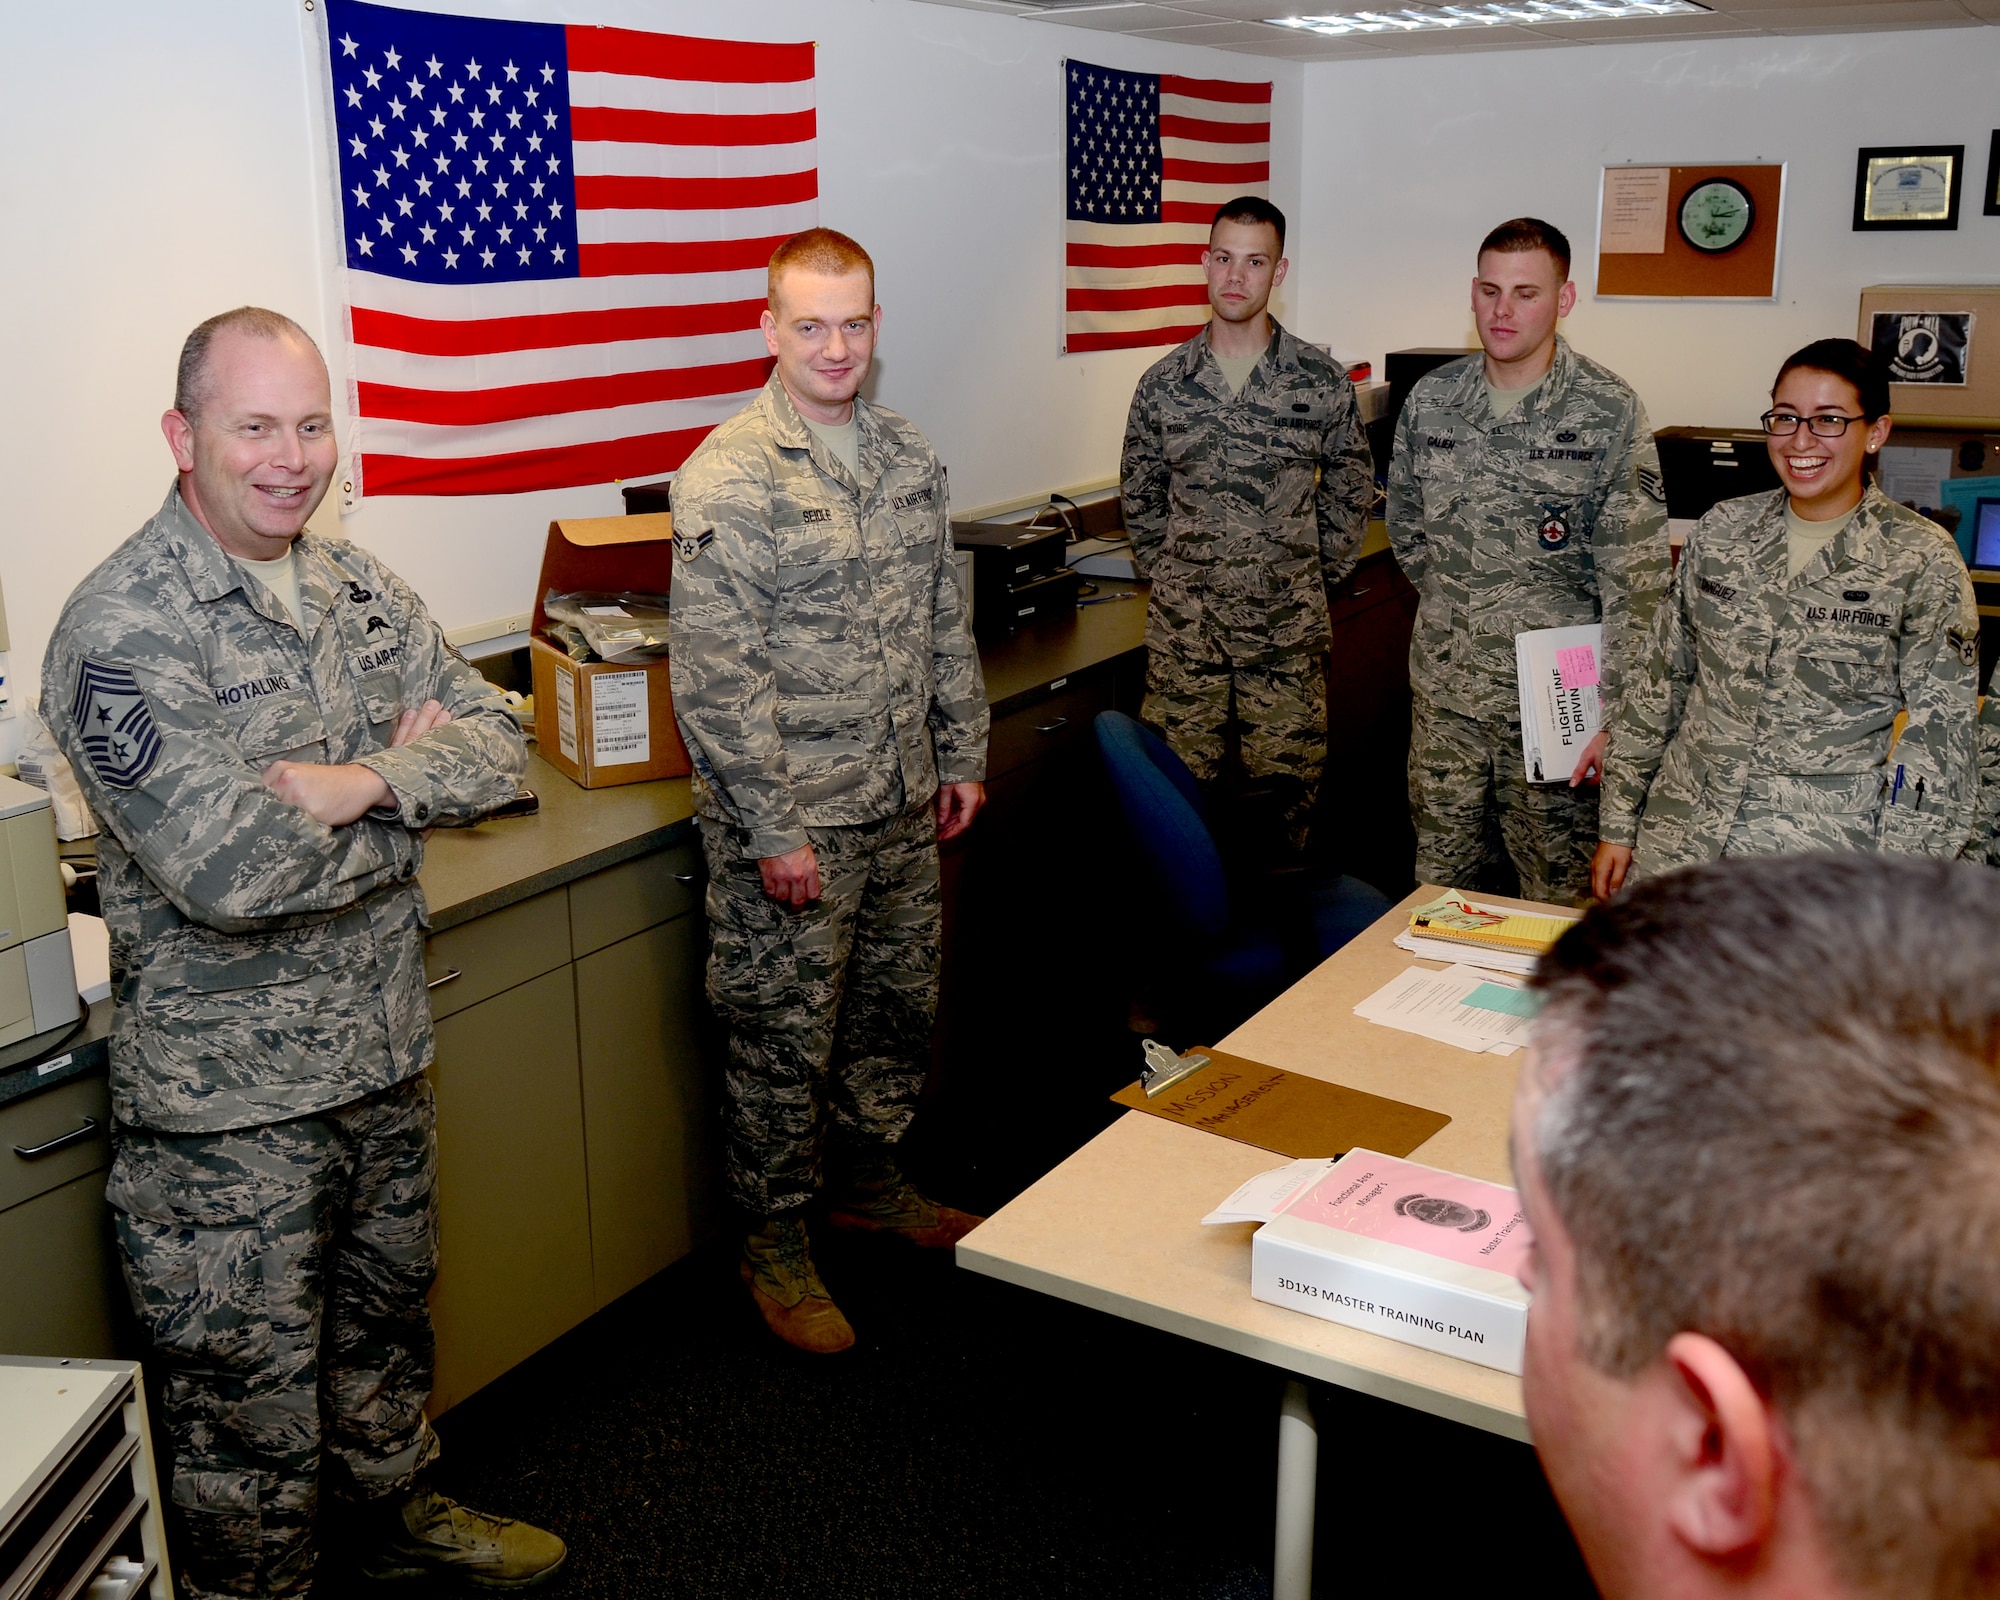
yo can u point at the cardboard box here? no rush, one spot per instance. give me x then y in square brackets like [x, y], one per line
[1404, 1250]
[603, 722]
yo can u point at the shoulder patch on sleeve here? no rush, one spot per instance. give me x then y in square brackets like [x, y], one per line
[114, 723]
[688, 544]
[1967, 646]
[1654, 485]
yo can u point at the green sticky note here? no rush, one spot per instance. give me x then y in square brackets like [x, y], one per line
[1498, 997]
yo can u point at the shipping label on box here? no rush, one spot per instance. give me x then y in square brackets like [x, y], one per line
[1404, 1250]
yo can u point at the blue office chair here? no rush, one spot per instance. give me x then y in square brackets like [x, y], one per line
[1206, 933]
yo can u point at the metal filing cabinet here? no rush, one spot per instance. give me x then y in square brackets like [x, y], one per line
[77, 1487]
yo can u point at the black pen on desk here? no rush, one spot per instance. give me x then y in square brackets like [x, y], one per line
[1106, 599]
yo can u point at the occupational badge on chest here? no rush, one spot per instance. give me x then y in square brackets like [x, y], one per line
[1554, 530]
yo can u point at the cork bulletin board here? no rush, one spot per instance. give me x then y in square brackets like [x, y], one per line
[1643, 253]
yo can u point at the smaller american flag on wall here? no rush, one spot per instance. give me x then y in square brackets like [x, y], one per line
[1149, 158]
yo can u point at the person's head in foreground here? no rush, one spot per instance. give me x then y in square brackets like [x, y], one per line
[1758, 1140]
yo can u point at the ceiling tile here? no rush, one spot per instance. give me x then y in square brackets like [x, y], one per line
[1714, 25]
[1215, 33]
[1121, 19]
[1866, 14]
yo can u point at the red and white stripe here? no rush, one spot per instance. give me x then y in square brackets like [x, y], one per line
[693, 158]
[1137, 284]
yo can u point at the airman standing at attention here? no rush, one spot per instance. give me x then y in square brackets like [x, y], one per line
[266, 721]
[1524, 494]
[828, 688]
[1246, 481]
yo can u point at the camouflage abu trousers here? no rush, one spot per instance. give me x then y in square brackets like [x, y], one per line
[1466, 774]
[1279, 710]
[829, 1008]
[280, 1273]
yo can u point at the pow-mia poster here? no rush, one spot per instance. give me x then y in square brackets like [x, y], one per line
[1924, 346]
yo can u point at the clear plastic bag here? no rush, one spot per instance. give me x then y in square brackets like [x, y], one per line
[617, 627]
[42, 763]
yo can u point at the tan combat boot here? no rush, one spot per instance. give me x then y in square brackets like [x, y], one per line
[882, 1200]
[777, 1264]
[428, 1535]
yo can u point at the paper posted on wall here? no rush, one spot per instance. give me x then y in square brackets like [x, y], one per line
[1558, 669]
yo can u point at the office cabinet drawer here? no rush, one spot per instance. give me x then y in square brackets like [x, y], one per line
[74, 1118]
[635, 895]
[65, 1295]
[479, 958]
[1047, 725]
[1374, 582]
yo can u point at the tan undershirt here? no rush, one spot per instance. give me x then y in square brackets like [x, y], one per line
[1236, 370]
[281, 577]
[842, 438]
[1505, 400]
[1804, 540]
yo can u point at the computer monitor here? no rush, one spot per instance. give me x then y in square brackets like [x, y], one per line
[1986, 534]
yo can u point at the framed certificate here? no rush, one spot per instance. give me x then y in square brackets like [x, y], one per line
[1899, 187]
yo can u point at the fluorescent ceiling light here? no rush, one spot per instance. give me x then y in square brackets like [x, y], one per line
[1420, 18]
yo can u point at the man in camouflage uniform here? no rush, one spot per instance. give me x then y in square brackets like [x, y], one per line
[1524, 493]
[828, 689]
[1985, 827]
[265, 722]
[1246, 481]
[1760, 717]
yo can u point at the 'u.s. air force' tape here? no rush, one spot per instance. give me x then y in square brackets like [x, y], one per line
[116, 727]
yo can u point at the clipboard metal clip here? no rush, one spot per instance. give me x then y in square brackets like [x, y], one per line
[1164, 1069]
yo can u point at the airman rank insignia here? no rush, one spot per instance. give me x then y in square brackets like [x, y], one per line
[689, 545]
[1967, 646]
[1554, 531]
[1653, 485]
[115, 725]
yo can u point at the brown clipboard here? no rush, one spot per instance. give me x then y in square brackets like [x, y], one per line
[1285, 1112]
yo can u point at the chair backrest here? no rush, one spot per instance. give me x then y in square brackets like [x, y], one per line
[1163, 808]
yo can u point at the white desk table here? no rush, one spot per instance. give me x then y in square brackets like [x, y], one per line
[1118, 1225]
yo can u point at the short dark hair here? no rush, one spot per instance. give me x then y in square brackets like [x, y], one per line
[1772, 1116]
[1251, 209]
[191, 377]
[1521, 234]
[1848, 360]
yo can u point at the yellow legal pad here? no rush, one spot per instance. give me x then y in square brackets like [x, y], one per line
[1457, 921]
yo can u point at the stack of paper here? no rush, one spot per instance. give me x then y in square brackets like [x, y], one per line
[1472, 1008]
[1511, 941]
[1265, 1195]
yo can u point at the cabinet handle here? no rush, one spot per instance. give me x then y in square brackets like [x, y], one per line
[1052, 727]
[687, 877]
[451, 974]
[34, 1152]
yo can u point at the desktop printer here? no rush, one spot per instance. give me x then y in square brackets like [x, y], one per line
[1018, 573]
[37, 973]
[1701, 466]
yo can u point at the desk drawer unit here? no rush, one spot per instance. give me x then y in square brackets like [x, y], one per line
[635, 895]
[480, 958]
[1055, 722]
[49, 1138]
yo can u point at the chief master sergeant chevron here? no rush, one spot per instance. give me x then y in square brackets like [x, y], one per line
[1524, 493]
[827, 686]
[265, 722]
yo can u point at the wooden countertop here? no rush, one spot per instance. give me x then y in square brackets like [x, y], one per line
[471, 871]
[1118, 1225]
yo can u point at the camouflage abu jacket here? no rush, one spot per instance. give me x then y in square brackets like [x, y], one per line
[263, 965]
[1244, 509]
[823, 671]
[1551, 517]
[1985, 831]
[1760, 716]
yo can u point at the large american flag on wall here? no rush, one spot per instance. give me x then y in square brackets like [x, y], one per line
[555, 241]
[1149, 158]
